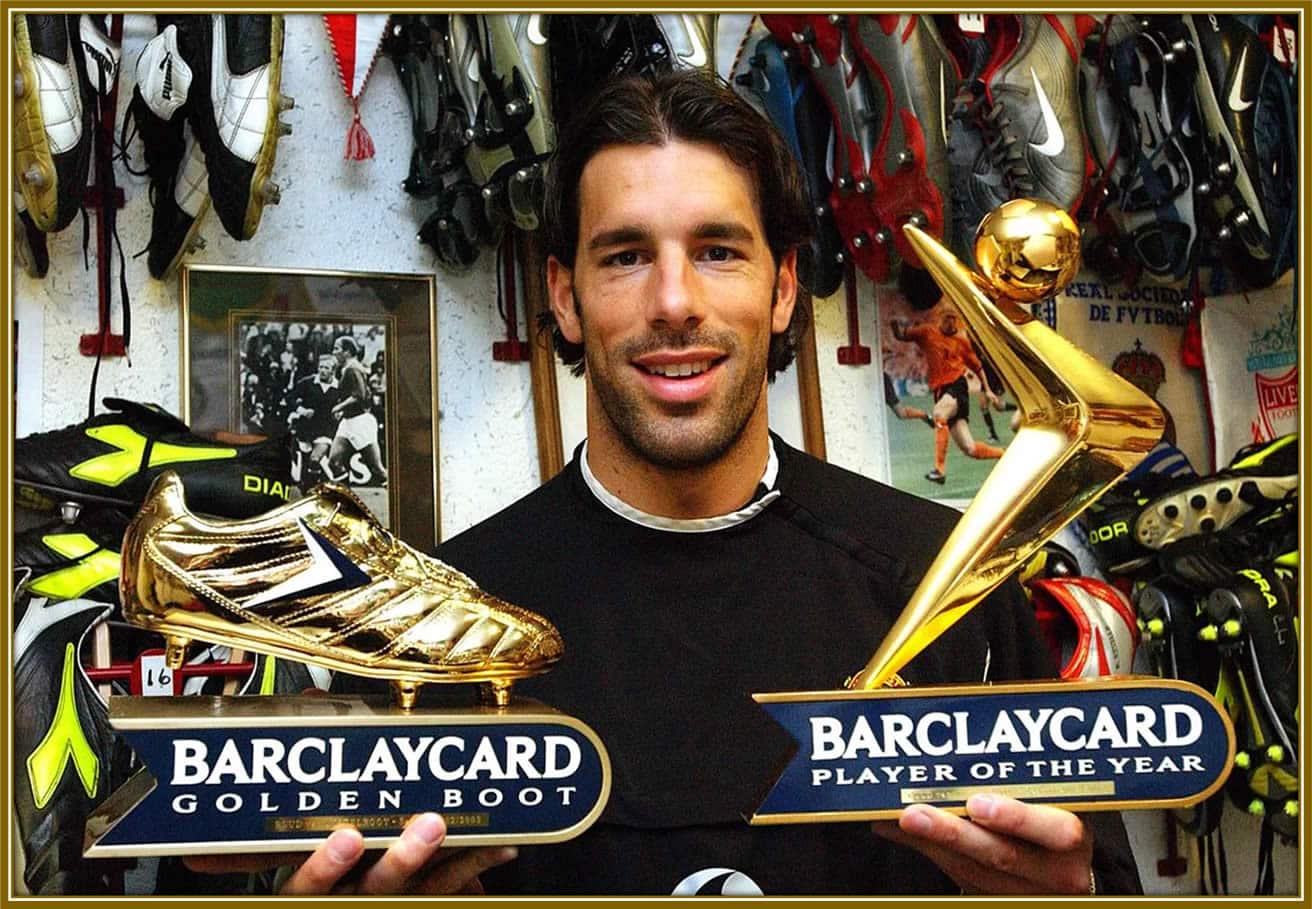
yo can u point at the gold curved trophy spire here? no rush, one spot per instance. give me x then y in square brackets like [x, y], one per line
[1082, 426]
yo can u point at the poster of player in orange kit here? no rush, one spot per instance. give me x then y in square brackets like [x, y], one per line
[951, 417]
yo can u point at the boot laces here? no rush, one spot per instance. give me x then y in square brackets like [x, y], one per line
[1005, 150]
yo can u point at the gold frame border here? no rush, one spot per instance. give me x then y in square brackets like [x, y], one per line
[7, 226]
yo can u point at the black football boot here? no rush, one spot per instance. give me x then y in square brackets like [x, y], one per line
[236, 98]
[112, 459]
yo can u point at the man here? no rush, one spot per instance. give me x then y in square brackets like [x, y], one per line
[948, 354]
[358, 429]
[690, 558]
[311, 404]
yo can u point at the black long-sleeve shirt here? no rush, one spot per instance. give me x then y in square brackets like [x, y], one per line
[668, 634]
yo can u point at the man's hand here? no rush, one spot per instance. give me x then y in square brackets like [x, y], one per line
[413, 864]
[1005, 847]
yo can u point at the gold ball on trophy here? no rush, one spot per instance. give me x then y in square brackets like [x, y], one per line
[1027, 249]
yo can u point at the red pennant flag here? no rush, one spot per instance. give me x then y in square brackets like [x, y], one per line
[356, 40]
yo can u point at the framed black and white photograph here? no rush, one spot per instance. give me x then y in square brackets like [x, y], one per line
[341, 363]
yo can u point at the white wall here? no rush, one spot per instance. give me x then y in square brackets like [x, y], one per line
[338, 214]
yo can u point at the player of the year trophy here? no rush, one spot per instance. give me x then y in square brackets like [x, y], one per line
[321, 581]
[868, 751]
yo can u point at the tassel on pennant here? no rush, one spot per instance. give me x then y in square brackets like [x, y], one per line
[355, 41]
[359, 144]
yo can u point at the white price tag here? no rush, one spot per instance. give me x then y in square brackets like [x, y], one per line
[1283, 43]
[971, 23]
[156, 676]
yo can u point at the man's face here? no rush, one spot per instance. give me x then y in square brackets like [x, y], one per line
[673, 296]
[340, 353]
[325, 368]
[949, 323]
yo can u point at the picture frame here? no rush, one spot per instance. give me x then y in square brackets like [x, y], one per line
[255, 345]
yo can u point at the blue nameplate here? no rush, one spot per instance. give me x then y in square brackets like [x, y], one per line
[1087, 745]
[278, 774]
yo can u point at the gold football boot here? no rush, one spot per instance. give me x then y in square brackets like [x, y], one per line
[321, 581]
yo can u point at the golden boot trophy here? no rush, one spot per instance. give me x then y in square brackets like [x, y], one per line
[321, 581]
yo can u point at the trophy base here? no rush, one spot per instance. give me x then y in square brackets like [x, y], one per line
[1097, 745]
[278, 774]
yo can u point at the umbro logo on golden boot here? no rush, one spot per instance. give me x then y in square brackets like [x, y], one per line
[321, 581]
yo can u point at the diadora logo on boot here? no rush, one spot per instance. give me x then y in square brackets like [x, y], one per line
[1109, 532]
[94, 566]
[113, 468]
[265, 487]
[64, 743]
[1262, 585]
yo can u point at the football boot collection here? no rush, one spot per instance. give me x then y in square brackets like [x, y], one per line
[205, 102]
[71, 559]
[776, 78]
[1136, 524]
[1246, 98]
[179, 180]
[1137, 81]
[1213, 564]
[1088, 624]
[65, 70]
[1148, 128]
[976, 183]
[878, 78]
[480, 101]
[1031, 114]
[66, 757]
[434, 57]
[486, 93]
[1253, 622]
[1192, 121]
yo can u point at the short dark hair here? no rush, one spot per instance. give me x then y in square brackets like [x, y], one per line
[692, 106]
[347, 344]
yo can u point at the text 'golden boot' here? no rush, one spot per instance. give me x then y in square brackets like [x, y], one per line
[321, 581]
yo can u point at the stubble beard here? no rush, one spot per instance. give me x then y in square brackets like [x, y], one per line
[678, 437]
